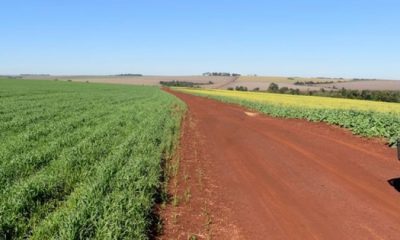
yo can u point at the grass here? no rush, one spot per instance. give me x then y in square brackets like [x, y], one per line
[81, 160]
[366, 118]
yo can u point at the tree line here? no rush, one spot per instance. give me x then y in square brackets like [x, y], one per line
[175, 83]
[221, 74]
[372, 95]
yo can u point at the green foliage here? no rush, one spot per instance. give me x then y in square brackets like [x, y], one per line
[82, 161]
[174, 83]
[225, 74]
[273, 87]
[241, 88]
[374, 95]
[178, 83]
[283, 90]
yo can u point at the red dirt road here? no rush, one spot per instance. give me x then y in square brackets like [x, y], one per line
[270, 178]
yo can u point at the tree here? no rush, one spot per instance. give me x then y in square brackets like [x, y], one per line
[283, 89]
[240, 88]
[273, 87]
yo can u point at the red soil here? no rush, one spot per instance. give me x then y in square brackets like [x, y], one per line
[257, 177]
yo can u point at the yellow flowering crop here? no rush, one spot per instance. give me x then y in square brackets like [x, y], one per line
[301, 101]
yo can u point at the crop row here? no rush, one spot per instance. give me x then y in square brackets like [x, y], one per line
[82, 161]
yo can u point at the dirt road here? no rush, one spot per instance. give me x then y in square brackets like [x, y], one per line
[269, 178]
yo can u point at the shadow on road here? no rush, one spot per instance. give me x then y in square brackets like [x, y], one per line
[395, 182]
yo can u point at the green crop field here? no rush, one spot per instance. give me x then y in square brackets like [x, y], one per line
[82, 161]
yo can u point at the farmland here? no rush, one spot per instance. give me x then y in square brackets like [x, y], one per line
[370, 85]
[253, 176]
[263, 82]
[217, 81]
[86, 161]
[200, 120]
[82, 160]
[224, 82]
[367, 118]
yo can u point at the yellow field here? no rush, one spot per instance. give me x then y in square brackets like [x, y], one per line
[301, 101]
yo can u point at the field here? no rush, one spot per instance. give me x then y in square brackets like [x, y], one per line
[218, 81]
[263, 82]
[85, 160]
[370, 85]
[82, 160]
[251, 82]
[367, 118]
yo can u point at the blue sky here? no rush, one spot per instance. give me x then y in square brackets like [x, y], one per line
[345, 38]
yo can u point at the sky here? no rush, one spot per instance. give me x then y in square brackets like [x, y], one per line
[317, 38]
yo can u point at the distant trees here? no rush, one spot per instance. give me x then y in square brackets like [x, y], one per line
[283, 90]
[130, 75]
[221, 74]
[177, 84]
[294, 91]
[273, 87]
[373, 95]
[316, 82]
[364, 79]
[240, 88]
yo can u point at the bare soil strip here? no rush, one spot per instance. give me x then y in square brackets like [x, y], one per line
[257, 177]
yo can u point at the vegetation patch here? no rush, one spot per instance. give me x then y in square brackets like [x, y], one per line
[82, 161]
[182, 83]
